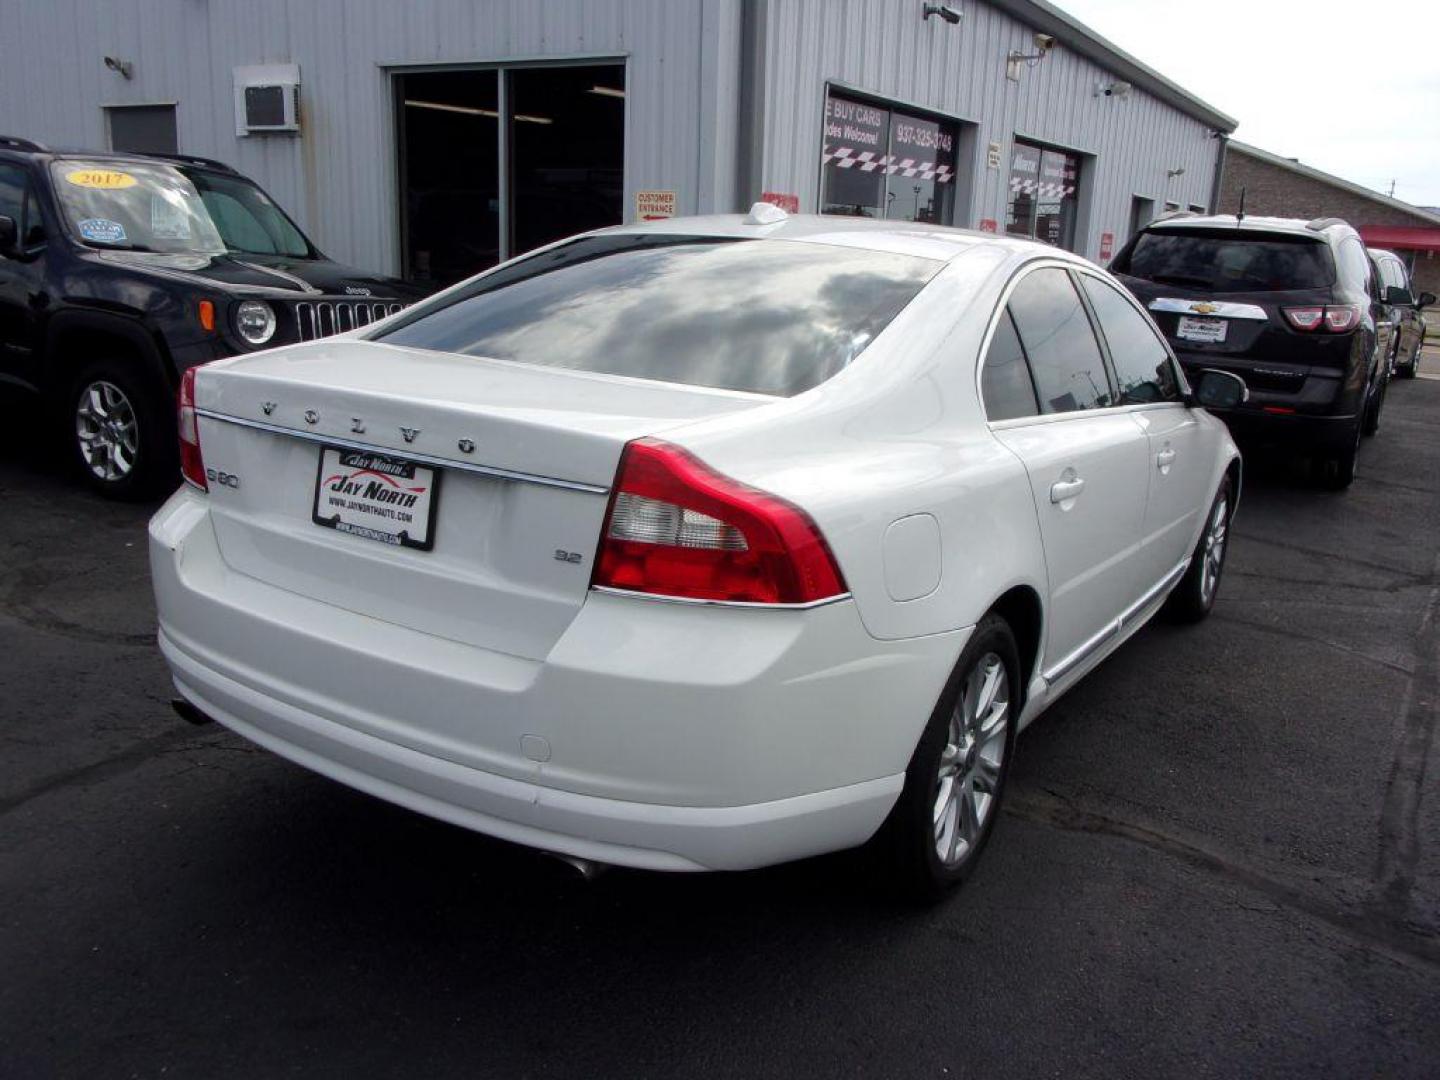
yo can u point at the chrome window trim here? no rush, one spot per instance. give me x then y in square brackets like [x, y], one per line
[744, 604]
[493, 471]
[1048, 418]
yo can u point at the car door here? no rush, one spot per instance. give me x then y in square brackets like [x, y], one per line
[22, 277]
[1180, 452]
[1407, 321]
[1383, 313]
[1086, 459]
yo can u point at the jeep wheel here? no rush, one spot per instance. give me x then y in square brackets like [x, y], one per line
[121, 435]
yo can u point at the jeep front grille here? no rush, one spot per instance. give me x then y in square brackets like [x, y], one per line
[317, 319]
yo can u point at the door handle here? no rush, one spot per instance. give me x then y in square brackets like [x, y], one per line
[1066, 489]
[1165, 458]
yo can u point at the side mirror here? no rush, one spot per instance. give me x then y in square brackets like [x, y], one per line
[7, 233]
[1398, 295]
[1220, 390]
[1426, 299]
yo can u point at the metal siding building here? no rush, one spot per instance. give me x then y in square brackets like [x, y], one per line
[722, 100]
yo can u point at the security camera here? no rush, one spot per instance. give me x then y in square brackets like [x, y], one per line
[120, 67]
[945, 11]
[1044, 42]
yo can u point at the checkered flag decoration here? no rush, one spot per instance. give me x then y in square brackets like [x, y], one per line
[1046, 189]
[845, 157]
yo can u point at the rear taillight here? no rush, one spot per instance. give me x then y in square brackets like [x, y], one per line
[1342, 318]
[676, 527]
[192, 465]
[1336, 318]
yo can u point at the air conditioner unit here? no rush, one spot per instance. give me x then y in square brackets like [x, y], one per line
[267, 99]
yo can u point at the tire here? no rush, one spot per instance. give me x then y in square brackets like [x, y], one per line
[910, 840]
[120, 427]
[1191, 600]
[1335, 469]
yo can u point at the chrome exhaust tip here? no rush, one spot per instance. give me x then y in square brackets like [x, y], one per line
[588, 869]
[189, 713]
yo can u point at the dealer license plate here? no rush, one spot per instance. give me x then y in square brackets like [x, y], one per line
[376, 497]
[1192, 329]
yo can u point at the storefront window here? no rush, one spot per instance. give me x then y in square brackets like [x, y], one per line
[887, 163]
[1042, 202]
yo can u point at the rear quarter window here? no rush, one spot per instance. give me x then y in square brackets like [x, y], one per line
[764, 316]
[1223, 260]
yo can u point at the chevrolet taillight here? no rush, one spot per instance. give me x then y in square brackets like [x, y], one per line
[1335, 318]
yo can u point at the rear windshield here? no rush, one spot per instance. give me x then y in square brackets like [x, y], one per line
[765, 316]
[1223, 260]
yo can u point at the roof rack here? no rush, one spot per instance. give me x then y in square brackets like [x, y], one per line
[14, 142]
[192, 159]
[1320, 224]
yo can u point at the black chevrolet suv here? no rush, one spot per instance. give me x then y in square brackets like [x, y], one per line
[1287, 305]
[119, 271]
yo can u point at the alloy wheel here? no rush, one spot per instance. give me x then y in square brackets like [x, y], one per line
[107, 430]
[1213, 557]
[968, 780]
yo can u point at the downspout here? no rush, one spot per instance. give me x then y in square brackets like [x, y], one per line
[1219, 172]
[750, 138]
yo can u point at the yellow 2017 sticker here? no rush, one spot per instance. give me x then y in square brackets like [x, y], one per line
[106, 179]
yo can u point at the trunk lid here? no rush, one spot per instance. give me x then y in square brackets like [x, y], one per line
[521, 459]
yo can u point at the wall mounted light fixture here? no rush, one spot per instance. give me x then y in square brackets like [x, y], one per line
[945, 11]
[1043, 44]
[123, 68]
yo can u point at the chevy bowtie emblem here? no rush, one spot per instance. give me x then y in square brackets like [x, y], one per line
[267, 407]
[1202, 308]
[409, 433]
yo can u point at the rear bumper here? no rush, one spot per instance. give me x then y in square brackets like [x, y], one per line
[674, 737]
[1290, 429]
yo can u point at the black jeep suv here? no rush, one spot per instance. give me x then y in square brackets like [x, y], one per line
[119, 271]
[1287, 305]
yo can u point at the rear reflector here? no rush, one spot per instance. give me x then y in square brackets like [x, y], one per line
[678, 528]
[192, 464]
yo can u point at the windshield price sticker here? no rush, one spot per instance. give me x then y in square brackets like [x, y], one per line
[104, 179]
[376, 497]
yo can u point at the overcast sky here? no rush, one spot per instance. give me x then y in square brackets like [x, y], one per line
[1350, 88]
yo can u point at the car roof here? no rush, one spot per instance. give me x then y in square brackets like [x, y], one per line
[1385, 253]
[1316, 227]
[919, 239]
[62, 153]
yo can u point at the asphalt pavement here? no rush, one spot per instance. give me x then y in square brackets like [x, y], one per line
[1220, 856]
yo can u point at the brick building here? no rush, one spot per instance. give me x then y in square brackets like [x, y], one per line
[1285, 188]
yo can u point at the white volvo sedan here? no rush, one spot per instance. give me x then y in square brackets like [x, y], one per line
[705, 544]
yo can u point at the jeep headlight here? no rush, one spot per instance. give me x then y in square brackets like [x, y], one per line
[255, 320]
